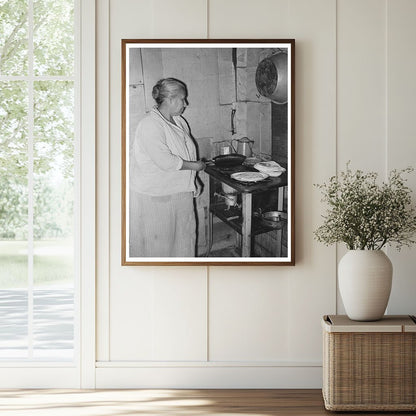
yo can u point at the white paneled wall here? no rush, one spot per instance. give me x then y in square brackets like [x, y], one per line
[163, 315]
[311, 282]
[235, 19]
[361, 84]
[361, 88]
[401, 132]
[254, 326]
[248, 315]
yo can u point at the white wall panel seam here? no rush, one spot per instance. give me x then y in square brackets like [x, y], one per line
[207, 12]
[108, 285]
[387, 49]
[207, 314]
[336, 141]
[152, 318]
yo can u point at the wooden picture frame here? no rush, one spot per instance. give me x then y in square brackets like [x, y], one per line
[238, 97]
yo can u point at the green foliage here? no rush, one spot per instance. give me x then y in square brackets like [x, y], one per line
[53, 118]
[53, 208]
[53, 37]
[13, 37]
[13, 129]
[54, 126]
[13, 208]
[366, 215]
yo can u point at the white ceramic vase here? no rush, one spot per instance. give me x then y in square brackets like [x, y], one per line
[364, 278]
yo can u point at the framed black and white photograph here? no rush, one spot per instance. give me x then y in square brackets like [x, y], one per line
[208, 152]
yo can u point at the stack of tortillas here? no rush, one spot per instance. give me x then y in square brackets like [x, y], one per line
[270, 167]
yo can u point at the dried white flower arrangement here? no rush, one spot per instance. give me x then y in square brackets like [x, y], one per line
[366, 215]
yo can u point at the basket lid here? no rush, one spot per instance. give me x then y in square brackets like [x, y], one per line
[389, 323]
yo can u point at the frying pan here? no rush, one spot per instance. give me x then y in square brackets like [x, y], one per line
[228, 161]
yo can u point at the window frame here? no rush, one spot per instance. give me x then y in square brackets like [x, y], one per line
[81, 371]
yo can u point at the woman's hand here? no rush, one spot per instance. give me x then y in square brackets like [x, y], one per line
[200, 165]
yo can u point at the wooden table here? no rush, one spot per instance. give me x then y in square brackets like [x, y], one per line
[246, 190]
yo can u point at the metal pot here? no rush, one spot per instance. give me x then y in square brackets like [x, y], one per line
[223, 147]
[274, 219]
[229, 161]
[244, 146]
[271, 78]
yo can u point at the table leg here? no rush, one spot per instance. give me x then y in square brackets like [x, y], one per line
[280, 198]
[210, 232]
[246, 226]
[280, 205]
[238, 242]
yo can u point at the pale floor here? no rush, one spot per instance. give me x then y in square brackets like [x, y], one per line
[166, 402]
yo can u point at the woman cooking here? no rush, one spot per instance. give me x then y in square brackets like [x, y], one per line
[163, 178]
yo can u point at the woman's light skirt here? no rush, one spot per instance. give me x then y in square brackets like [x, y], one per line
[162, 226]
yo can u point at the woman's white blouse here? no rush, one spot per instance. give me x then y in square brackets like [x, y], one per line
[158, 151]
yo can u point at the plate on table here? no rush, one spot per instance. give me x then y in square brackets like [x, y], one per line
[249, 176]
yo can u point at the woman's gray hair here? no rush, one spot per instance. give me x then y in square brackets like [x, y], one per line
[167, 88]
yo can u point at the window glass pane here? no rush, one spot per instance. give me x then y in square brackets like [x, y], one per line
[13, 324]
[53, 37]
[53, 196]
[13, 219]
[13, 160]
[53, 167]
[53, 319]
[13, 37]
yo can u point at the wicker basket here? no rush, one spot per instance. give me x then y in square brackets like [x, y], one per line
[369, 366]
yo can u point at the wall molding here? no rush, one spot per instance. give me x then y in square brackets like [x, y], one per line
[210, 376]
[44, 377]
[204, 364]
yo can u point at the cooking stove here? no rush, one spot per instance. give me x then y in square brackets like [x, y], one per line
[233, 169]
